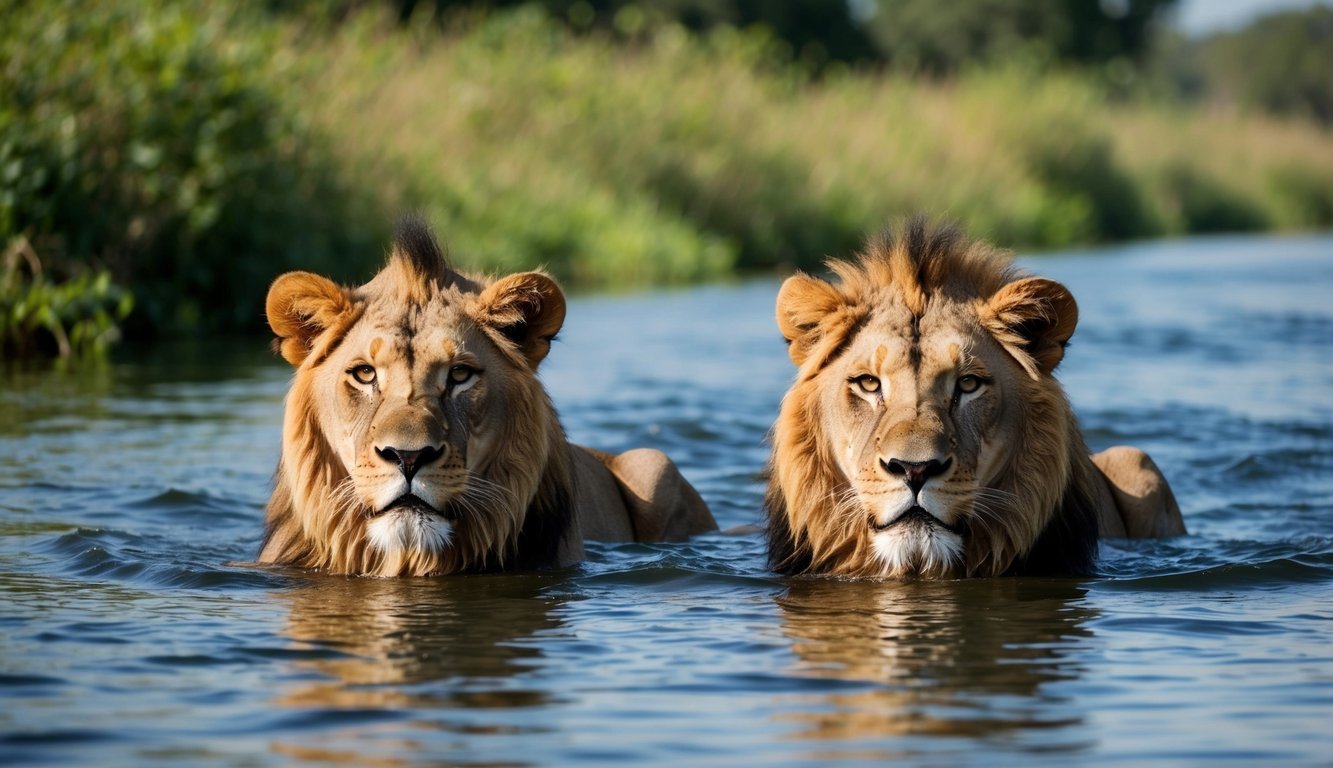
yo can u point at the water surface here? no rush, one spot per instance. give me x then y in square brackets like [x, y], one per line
[127, 637]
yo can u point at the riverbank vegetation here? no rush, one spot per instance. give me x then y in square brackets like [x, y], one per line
[187, 153]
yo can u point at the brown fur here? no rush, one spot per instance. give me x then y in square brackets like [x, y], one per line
[450, 366]
[887, 359]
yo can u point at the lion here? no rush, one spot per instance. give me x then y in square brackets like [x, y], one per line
[925, 435]
[417, 439]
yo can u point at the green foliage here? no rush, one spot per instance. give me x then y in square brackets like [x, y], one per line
[915, 35]
[1305, 196]
[1282, 63]
[683, 156]
[1080, 168]
[941, 37]
[578, 229]
[143, 139]
[76, 318]
[1203, 204]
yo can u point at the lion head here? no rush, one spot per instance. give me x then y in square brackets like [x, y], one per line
[417, 439]
[925, 435]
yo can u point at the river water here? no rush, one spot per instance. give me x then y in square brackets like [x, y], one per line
[128, 636]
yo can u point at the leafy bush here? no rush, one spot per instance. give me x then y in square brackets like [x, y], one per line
[191, 154]
[1205, 205]
[1305, 195]
[1281, 63]
[76, 318]
[683, 156]
[143, 139]
[930, 36]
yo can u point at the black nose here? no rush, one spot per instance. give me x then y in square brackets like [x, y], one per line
[916, 473]
[410, 461]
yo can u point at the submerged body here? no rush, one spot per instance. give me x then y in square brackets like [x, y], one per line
[925, 435]
[418, 440]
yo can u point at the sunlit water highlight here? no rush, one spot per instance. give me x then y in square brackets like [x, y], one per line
[128, 638]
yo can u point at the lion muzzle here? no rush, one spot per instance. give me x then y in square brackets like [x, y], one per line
[917, 515]
[410, 461]
[916, 473]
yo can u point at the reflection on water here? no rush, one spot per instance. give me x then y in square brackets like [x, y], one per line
[430, 646]
[938, 655]
[393, 637]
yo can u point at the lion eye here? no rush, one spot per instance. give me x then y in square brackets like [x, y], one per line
[969, 384]
[461, 374]
[364, 374]
[868, 384]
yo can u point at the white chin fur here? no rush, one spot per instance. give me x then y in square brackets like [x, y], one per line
[913, 550]
[409, 531]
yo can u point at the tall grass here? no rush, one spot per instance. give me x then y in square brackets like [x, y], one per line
[144, 140]
[683, 158]
[193, 153]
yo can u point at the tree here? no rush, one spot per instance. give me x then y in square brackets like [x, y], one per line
[938, 38]
[1281, 63]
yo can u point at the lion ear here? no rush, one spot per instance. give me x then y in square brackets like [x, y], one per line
[1034, 319]
[300, 307]
[803, 303]
[528, 309]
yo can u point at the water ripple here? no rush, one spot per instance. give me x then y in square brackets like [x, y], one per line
[135, 633]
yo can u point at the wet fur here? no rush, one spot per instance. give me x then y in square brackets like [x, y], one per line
[1037, 513]
[518, 511]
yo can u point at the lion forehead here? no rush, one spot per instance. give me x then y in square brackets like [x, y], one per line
[431, 333]
[896, 344]
[881, 347]
[949, 348]
[409, 314]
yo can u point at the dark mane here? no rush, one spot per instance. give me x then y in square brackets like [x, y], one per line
[547, 524]
[415, 244]
[922, 241]
[1068, 544]
[785, 555]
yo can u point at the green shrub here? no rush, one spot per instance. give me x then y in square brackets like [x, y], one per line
[143, 139]
[1204, 204]
[1305, 196]
[683, 156]
[76, 318]
[1079, 168]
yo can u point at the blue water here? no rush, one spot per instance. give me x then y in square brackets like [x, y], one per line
[129, 636]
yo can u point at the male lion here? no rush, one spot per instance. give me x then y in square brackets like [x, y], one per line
[925, 435]
[418, 440]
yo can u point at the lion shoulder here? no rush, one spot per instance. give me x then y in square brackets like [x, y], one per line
[1142, 500]
[638, 495]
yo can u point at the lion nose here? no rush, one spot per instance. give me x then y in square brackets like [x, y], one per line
[916, 473]
[409, 462]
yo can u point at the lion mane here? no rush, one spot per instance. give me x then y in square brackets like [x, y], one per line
[512, 475]
[957, 349]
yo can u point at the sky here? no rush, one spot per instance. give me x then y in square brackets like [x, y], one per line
[1201, 17]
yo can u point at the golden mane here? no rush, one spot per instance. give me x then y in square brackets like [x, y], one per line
[314, 523]
[517, 505]
[1040, 498]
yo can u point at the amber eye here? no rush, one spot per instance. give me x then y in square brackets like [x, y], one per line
[969, 384]
[461, 374]
[867, 383]
[364, 374]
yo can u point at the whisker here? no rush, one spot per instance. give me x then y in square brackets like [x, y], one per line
[488, 490]
[343, 495]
